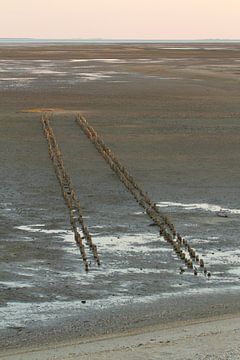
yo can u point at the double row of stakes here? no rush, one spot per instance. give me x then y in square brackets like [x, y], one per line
[166, 229]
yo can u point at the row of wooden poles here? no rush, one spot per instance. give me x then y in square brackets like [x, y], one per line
[166, 228]
[78, 225]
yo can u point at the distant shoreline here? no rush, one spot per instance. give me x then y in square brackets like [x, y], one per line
[112, 41]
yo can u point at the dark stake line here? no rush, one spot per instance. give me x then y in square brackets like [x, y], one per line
[69, 194]
[181, 247]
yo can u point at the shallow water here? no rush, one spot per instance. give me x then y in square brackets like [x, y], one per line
[65, 73]
[201, 206]
[136, 267]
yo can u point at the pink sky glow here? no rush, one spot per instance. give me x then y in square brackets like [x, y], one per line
[121, 19]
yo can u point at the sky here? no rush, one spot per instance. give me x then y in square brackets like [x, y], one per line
[120, 19]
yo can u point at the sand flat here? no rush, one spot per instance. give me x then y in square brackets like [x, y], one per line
[208, 339]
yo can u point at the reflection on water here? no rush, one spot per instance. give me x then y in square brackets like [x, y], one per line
[201, 206]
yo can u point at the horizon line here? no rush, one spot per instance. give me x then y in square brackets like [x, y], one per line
[116, 39]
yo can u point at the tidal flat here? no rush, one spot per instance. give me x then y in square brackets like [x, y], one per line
[170, 113]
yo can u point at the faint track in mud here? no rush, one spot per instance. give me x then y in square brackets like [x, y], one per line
[166, 229]
[69, 195]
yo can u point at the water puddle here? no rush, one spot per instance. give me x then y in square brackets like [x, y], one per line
[113, 61]
[48, 72]
[198, 206]
[94, 76]
[17, 79]
[39, 228]
[14, 284]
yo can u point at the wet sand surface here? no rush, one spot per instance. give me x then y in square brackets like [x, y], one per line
[171, 115]
[217, 339]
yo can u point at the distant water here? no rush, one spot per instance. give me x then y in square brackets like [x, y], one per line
[108, 41]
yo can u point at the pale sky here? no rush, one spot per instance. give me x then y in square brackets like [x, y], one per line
[118, 19]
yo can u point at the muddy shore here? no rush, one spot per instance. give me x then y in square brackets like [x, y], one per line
[171, 115]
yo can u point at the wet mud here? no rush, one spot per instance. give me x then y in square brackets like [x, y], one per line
[171, 117]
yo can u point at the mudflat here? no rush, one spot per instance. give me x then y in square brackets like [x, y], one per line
[170, 113]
